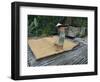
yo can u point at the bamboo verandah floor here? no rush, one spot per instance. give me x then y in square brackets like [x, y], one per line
[78, 55]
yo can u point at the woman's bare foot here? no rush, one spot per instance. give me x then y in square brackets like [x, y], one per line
[58, 47]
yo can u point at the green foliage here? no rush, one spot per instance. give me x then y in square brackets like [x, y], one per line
[79, 22]
[46, 25]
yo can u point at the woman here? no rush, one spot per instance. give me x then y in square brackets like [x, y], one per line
[61, 30]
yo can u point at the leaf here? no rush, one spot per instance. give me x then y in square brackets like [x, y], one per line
[35, 22]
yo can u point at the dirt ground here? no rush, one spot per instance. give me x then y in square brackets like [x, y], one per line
[43, 47]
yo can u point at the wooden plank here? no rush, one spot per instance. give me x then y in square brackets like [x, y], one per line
[44, 47]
